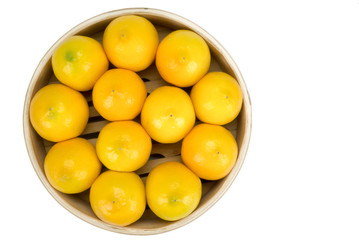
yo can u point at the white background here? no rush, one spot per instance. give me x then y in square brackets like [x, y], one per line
[300, 61]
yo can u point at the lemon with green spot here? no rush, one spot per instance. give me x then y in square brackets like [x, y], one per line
[79, 61]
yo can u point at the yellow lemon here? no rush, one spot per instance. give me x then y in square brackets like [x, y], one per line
[58, 112]
[123, 146]
[183, 58]
[118, 197]
[217, 98]
[168, 114]
[131, 42]
[78, 62]
[72, 166]
[119, 95]
[173, 191]
[210, 151]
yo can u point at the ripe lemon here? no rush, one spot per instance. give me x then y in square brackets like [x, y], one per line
[118, 197]
[217, 98]
[119, 95]
[173, 191]
[168, 114]
[131, 42]
[72, 166]
[183, 58]
[210, 151]
[58, 112]
[123, 146]
[78, 62]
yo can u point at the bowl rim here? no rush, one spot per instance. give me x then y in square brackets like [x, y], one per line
[227, 58]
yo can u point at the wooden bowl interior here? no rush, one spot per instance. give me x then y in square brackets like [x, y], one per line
[78, 204]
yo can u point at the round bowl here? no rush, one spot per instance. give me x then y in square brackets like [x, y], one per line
[78, 204]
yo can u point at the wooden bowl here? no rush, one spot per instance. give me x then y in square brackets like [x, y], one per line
[78, 204]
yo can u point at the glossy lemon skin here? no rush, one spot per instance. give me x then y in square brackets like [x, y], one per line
[173, 191]
[58, 112]
[72, 166]
[131, 42]
[168, 114]
[217, 98]
[79, 61]
[210, 151]
[123, 146]
[119, 94]
[118, 197]
[183, 58]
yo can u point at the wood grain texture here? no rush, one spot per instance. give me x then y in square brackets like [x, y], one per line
[78, 204]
